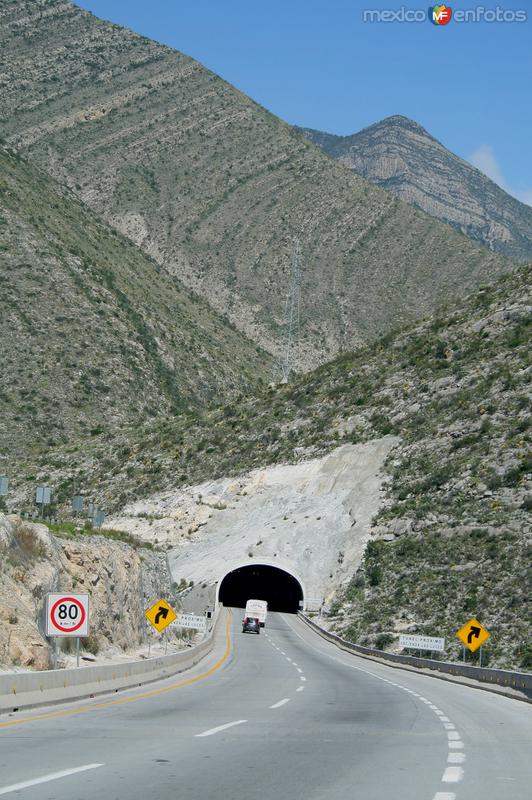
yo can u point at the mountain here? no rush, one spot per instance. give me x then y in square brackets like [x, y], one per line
[215, 188]
[399, 155]
[92, 332]
[452, 536]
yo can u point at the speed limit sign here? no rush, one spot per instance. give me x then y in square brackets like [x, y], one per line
[67, 615]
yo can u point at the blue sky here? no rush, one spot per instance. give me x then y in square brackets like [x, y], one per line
[318, 64]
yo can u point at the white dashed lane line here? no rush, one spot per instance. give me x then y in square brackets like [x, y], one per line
[300, 688]
[281, 703]
[212, 731]
[452, 774]
[53, 776]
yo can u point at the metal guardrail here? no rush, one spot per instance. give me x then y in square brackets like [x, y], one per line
[519, 681]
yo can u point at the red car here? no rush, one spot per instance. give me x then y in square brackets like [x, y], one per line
[250, 624]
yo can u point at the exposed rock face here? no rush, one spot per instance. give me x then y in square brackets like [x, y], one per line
[121, 583]
[306, 518]
[400, 155]
[215, 188]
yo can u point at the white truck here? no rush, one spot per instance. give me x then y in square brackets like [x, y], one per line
[258, 609]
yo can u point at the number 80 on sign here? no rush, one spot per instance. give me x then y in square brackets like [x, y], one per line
[67, 615]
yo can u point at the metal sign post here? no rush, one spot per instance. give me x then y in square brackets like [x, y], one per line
[43, 497]
[77, 503]
[473, 635]
[161, 614]
[67, 615]
[191, 621]
[435, 644]
[98, 518]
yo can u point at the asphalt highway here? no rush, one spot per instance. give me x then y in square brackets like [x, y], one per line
[280, 715]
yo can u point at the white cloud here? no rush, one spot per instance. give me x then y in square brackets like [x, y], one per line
[484, 159]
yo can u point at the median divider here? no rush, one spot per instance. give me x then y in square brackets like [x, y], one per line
[512, 684]
[20, 690]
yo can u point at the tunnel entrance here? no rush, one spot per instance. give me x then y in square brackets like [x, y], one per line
[281, 590]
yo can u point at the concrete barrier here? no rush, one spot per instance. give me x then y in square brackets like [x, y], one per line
[516, 684]
[19, 690]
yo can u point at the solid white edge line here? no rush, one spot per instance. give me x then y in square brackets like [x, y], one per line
[219, 728]
[281, 703]
[52, 776]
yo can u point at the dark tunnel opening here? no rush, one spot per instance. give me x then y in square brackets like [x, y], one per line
[281, 590]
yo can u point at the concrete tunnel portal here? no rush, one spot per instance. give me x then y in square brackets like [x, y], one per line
[281, 590]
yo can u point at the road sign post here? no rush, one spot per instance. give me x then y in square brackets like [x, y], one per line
[435, 644]
[473, 635]
[4, 485]
[67, 615]
[161, 614]
[197, 623]
[43, 497]
[77, 503]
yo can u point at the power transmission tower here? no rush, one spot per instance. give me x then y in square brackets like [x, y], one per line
[290, 357]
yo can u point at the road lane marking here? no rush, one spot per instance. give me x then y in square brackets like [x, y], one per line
[453, 775]
[52, 776]
[281, 703]
[135, 698]
[299, 669]
[300, 688]
[302, 678]
[455, 758]
[219, 728]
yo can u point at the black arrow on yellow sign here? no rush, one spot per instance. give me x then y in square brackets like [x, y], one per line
[163, 612]
[473, 632]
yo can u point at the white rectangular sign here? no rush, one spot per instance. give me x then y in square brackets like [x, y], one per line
[67, 614]
[43, 495]
[191, 621]
[435, 643]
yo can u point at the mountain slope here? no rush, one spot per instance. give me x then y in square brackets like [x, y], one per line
[452, 537]
[92, 332]
[215, 187]
[399, 155]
